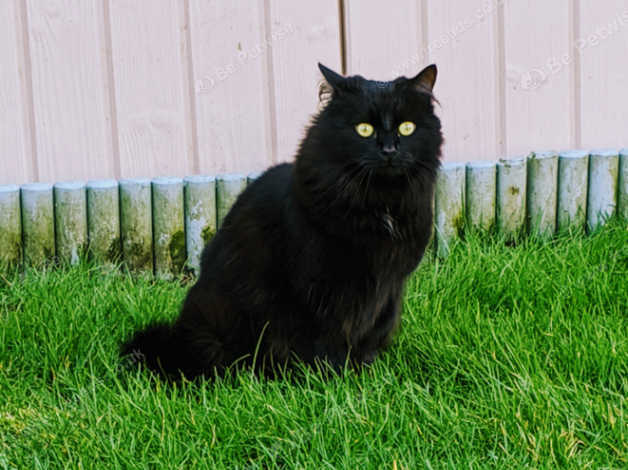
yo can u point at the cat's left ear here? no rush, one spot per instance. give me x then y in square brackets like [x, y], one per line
[335, 80]
[425, 80]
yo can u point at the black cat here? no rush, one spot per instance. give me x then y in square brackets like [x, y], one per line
[311, 261]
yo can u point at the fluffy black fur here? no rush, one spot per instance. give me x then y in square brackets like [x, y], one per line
[311, 261]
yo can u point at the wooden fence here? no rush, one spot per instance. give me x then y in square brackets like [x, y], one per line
[93, 89]
[161, 225]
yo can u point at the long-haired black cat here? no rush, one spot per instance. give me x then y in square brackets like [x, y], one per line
[310, 262]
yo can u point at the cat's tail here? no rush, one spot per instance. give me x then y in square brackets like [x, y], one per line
[158, 347]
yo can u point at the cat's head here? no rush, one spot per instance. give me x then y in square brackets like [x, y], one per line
[387, 129]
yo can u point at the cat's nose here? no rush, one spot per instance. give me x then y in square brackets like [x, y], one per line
[389, 148]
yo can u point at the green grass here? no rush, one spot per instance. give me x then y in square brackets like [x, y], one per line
[508, 357]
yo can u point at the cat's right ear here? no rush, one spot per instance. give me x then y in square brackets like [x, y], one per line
[425, 80]
[334, 79]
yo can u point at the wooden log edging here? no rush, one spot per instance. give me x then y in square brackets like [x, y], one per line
[10, 225]
[449, 205]
[603, 182]
[200, 217]
[228, 187]
[541, 192]
[573, 185]
[168, 226]
[162, 225]
[511, 197]
[481, 191]
[70, 213]
[622, 194]
[103, 221]
[136, 224]
[38, 233]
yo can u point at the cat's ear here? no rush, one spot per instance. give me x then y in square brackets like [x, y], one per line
[335, 80]
[425, 80]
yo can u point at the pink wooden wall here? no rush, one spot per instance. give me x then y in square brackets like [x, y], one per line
[124, 88]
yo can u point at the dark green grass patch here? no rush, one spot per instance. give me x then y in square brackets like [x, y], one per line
[508, 357]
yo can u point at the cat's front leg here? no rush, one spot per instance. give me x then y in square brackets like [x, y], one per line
[327, 350]
[381, 333]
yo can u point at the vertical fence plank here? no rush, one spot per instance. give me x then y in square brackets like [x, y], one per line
[603, 173]
[103, 220]
[537, 52]
[314, 37]
[481, 193]
[463, 41]
[70, 208]
[253, 176]
[622, 194]
[151, 94]
[573, 176]
[136, 225]
[601, 47]
[15, 125]
[37, 223]
[168, 226]
[228, 188]
[396, 49]
[511, 197]
[449, 205]
[200, 217]
[10, 225]
[231, 73]
[542, 193]
[72, 121]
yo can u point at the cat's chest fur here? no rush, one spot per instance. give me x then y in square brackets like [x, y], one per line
[352, 281]
[389, 222]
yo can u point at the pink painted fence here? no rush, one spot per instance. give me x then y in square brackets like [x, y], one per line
[130, 88]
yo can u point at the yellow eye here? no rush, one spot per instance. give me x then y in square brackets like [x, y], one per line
[364, 129]
[406, 128]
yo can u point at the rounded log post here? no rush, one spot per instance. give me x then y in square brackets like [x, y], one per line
[431, 245]
[603, 174]
[622, 193]
[542, 193]
[10, 226]
[228, 188]
[511, 197]
[103, 221]
[37, 223]
[253, 176]
[70, 221]
[449, 205]
[136, 225]
[200, 217]
[168, 227]
[573, 176]
[481, 187]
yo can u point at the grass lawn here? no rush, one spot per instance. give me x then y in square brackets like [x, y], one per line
[508, 357]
